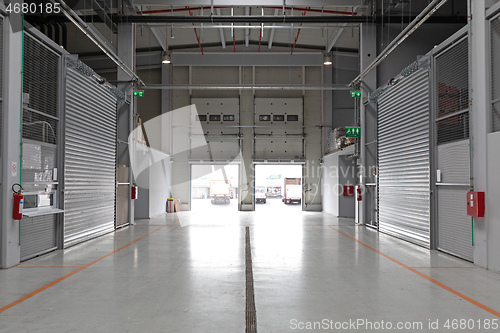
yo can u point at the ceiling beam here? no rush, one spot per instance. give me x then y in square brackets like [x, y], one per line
[273, 30]
[247, 30]
[241, 19]
[284, 86]
[159, 37]
[221, 31]
[247, 59]
[312, 3]
[99, 8]
[334, 37]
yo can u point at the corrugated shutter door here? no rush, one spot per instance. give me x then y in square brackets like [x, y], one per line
[404, 159]
[38, 235]
[453, 155]
[495, 73]
[90, 159]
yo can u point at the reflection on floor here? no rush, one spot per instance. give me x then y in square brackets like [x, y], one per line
[185, 272]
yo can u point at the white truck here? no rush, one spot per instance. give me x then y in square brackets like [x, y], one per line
[260, 194]
[292, 191]
[220, 192]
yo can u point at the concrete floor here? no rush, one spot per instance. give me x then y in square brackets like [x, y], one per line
[185, 272]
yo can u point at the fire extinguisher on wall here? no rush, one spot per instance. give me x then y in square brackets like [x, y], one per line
[359, 194]
[17, 213]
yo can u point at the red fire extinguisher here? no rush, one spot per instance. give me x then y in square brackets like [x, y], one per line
[17, 213]
[359, 194]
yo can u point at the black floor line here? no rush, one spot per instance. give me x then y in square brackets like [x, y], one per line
[250, 314]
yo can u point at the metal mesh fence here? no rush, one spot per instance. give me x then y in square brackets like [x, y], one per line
[40, 92]
[452, 76]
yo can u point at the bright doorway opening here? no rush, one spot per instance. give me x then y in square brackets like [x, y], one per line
[214, 188]
[278, 188]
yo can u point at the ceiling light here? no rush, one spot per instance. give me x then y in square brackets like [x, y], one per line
[166, 59]
[327, 60]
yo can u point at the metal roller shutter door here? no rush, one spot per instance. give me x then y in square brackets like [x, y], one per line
[90, 159]
[404, 159]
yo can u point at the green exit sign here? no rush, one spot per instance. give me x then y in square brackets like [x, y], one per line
[355, 94]
[353, 132]
[138, 93]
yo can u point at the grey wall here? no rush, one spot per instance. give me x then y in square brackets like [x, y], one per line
[418, 43]
[156, 181]
[141, 210]
[330, 184]
[345, 69]
[338, 171]
[347, 173]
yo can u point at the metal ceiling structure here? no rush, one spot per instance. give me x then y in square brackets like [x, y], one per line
[293, 26]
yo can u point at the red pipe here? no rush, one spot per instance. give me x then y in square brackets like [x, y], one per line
[234, 42]
[195, 32]
[158, 11]
[260, 38]
[298, 33]
[314, 10]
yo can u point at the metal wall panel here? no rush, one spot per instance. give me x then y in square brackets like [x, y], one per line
[404, 159]
[90, 159]
[453, 149]
[280, 137]
[495, 73]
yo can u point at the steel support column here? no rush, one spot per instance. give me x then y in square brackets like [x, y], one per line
[479, 70]
[126, 109]
[368, 121]
[10, 251]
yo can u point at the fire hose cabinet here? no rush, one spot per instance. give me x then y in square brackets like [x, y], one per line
[475, 204]
[348, 191]
[134, 192]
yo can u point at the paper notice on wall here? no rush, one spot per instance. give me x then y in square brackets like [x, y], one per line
[32, 156]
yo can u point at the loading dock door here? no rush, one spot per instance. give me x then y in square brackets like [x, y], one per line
[404, 159]
[278, 132]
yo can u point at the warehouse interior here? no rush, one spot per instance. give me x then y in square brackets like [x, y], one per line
[150, 149]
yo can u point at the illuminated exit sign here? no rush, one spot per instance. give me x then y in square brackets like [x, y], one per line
[138, 93]
[353, 132]
[355, 94]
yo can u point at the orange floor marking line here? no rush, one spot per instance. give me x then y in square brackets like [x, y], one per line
[445, 287]
[48, 266]
[22, 299]
[443, 267]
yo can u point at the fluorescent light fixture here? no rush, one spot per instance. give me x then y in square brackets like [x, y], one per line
[327, 60]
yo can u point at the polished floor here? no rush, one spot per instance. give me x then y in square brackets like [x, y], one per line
[185, 272]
